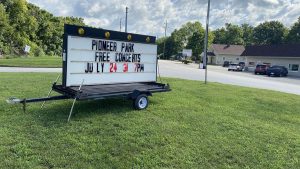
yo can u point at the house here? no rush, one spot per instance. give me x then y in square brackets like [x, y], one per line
[287, 55]
[219, 53]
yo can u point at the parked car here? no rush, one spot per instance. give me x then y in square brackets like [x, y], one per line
[242, 65]
[234, 67]
[277, 71]
[261, 69]
[226, 64]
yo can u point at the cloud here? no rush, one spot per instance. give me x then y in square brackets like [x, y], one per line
[149, 16]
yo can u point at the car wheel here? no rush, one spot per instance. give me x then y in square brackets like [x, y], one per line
[141, 102]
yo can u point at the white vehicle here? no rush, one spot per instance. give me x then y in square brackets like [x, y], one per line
[235, 67]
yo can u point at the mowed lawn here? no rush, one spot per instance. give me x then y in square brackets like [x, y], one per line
[46, 61]
[194, 126]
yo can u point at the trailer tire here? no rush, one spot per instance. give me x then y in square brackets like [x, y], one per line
[141, 102]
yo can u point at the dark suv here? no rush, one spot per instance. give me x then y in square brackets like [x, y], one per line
[277, 71]
[261, 69]
[242, 65]
[226, 64]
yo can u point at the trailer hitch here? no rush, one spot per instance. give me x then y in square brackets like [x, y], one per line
[14, 100]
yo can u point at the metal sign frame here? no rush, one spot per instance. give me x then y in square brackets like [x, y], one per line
[88, 32]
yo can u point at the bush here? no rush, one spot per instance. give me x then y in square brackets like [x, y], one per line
[35, 50]
[51, 53]
[186, 61]
[38, 52]
[10, 56]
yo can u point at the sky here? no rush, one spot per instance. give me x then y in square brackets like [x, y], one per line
[149, 16]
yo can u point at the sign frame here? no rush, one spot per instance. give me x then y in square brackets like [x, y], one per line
[88, 32]
[188, 52]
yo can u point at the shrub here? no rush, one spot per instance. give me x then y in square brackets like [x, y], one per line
[38, 52]
[186, 61]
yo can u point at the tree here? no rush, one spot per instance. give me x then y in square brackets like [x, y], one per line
[231, 34]
[169, 49]
[269, 33]
[6, 31]
[234, 34]
[160, 45]
[196, 42]
[247, 34]
[220, 36]
[179, 38]
[27, 24]
[294, 34]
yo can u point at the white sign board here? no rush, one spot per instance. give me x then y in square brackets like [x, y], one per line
[187, 52]
[102, 61]
[27, 49]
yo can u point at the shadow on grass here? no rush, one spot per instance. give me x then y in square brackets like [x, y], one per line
[58, 112]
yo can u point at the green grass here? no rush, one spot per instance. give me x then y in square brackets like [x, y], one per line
[194, 126]
[46, 61]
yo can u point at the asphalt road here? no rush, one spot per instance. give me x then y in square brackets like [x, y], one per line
[23, 69]
[221, 75]
[215, 74]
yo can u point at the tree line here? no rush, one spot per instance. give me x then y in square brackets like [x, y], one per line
[191, 36]
[23, 23]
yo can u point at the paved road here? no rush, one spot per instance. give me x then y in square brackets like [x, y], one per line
[221, 75]
[215, 74]
[23, 69]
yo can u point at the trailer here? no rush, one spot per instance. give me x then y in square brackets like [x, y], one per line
[100, 64]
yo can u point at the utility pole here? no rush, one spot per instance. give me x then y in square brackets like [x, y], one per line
[120, 24]
[126, 19]
[206, 42]
[166, 26]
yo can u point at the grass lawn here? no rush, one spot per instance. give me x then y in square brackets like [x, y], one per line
[194, 126]
[46, 61]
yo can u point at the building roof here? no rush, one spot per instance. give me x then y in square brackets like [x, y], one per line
[282, 50]
[221, 49]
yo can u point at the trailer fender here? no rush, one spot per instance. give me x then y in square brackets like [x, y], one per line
[136, 93]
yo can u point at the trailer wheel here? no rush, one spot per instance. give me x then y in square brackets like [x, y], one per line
[141, 102]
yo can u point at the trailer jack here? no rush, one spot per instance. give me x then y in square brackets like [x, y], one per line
[24, 105]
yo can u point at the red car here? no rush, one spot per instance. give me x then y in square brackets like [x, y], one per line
[261, 69]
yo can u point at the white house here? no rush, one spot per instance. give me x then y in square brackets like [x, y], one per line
[219, 53]
[287, 55]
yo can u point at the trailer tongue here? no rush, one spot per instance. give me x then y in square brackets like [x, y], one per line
[101, 64]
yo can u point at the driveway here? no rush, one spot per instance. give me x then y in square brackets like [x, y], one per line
[215, 74]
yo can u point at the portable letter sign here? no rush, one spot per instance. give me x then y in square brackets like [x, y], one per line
[100, 56]
[100, 64]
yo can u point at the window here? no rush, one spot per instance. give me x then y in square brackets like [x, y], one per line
[294, 67]
[251, 63]
[237, 58]
[223, 58]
